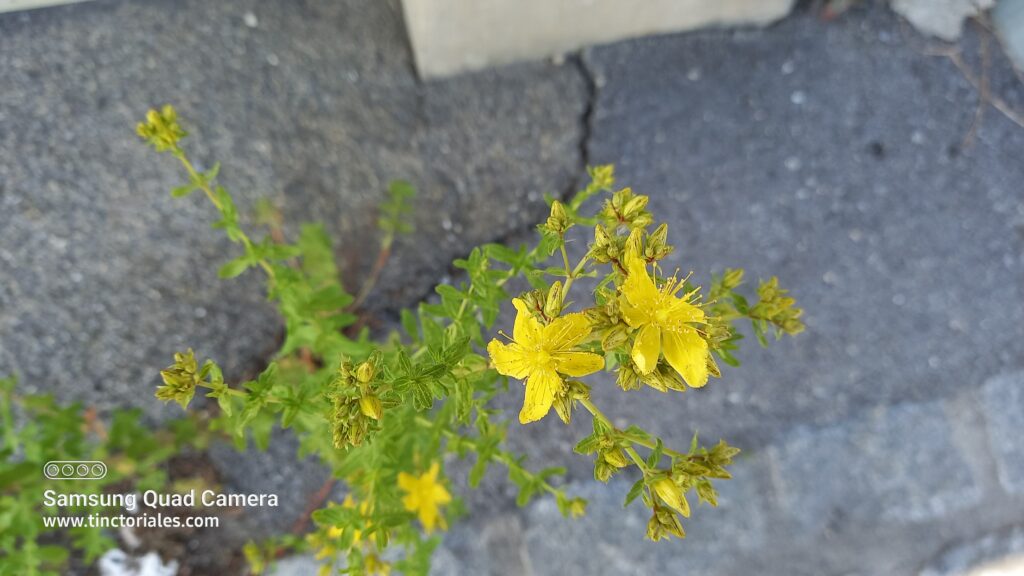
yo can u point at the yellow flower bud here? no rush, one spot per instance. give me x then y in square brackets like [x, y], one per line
[602, 176]
[616, 458]
[634, 244]
[601, 237]
[577, 507]
[558, 222]
[634, 206]
[628, 379]
[370, 406]
[365, 372]
[672, 495]
[563, 407]
[663, 524]
[732, 278]
[553, 303]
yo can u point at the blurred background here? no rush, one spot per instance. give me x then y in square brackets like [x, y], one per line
[869, 154]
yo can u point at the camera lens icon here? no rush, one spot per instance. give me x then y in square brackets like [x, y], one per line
[75, 470]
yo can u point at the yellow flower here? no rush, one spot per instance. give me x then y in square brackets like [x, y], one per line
[539, 353]
[666, 323]
[423, 495]
[334, 532]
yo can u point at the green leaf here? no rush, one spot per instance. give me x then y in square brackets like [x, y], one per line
[588, 445]
[224, 401]
[183, 191]
[422, 397]
[18, 473]
[410, 326]
[479, 470]
[317, 255]
[635, 491]
[395, 211]
[53, 555]
[234, 267]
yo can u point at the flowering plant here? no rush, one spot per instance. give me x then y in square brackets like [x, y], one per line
[383, 413]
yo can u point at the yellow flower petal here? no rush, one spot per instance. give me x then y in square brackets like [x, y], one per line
[687, 353]
[683, 311]
[578, 363]
[566, 331]
[527, 329]
[633, 315]
[639, 288]
[509, 359]
[647, 348]
[441, 495]
[406, 481]
[541, 387]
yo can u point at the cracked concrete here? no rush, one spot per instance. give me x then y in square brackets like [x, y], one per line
[339, 114]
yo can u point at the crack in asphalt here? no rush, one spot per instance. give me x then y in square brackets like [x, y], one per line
[580, 61]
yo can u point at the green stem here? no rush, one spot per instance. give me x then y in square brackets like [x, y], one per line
[499, 456]
[653, 445]
[637, 460]
[599, 415]
[596, 412]
[565, 257]
[205, 187]
[572, 274]
[378, 267]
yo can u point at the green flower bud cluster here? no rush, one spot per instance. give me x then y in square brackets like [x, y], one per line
[666, 489]
[664, 523]
[161, 129]
[626, 209]
[544, 304]
[357, 407]
[606, 320]
[778, 309]
[607, 248]
[180, 379]
[559, 222]
[565, 399]
[601, 177]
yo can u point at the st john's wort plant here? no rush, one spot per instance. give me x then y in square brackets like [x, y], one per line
[382, 413]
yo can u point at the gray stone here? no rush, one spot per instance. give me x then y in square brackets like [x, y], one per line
[301, 565]
[887, 232]
[1008, 20]
[893, 465]
[1003, 401]
[994, 554]
[940, 18]
[611, 540]
[614, 536]
[312, 104]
